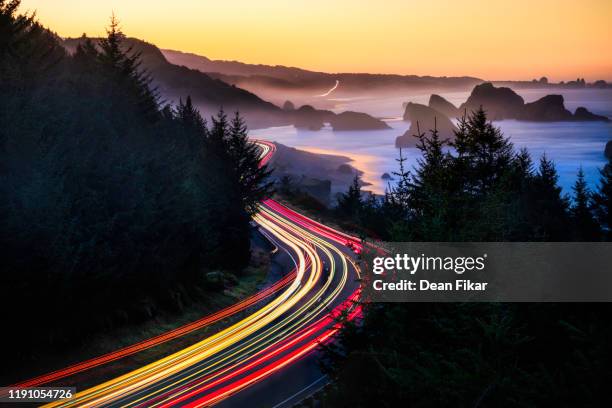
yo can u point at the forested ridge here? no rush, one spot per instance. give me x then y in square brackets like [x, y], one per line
[478, 188]
[113, 205]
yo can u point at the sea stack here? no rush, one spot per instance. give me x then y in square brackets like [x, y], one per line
[503, 103]
[582, 114]
[499, 103]
[550, 108]
[423, 119]
[356, 121]
[307, 117]
[443, 106]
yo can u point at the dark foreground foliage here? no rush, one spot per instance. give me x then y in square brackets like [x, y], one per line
[477, 354]
[111, 205]
[474, 355]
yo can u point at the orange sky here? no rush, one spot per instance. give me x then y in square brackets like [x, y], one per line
[491, 39]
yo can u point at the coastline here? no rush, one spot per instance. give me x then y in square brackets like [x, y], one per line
[319, 169]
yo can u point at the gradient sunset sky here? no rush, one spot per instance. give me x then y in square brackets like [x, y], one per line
[512, 39]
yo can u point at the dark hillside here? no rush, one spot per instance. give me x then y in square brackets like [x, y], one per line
[209, 94]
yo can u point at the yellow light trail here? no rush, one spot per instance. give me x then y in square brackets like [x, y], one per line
[300, 318]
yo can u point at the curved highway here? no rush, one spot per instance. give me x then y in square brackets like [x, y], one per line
[265, 359]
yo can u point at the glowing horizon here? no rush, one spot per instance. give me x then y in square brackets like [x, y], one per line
[493, 40]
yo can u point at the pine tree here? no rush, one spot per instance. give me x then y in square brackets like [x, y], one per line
[350, 203]
[603, 200]
[399, 194]
[190, 117]
[229, 142]
[13, 30]
[523, 165]
[29, 53]
[395, 208]
[245, 155]
[484, 155]
[123, 67]
[432, 189]
[193, 127]
[218, 133]
[547, 207]
[112, 55]
[432, 168]
[585, 227]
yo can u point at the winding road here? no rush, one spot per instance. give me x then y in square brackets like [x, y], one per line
[267, 358]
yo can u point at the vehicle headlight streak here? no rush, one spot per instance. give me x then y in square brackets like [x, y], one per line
[308, 309]
[131, 382]
[289, 325]
[281, 331]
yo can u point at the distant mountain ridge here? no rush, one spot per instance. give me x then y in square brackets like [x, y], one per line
[251, 76]
[256, 77]
[230, 68]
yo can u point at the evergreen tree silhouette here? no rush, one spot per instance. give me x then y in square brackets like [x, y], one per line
[585, 228]
[483, 153]
[548, 207]
[190, 117]
[603, 200]
[350, 203]
[245, 156]
[123, 66]
[430, 188]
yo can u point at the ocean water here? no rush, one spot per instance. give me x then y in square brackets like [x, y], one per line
[569, 144]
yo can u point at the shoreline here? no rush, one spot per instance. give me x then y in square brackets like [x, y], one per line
[323, 174]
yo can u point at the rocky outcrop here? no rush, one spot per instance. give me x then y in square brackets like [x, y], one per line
[582, 114]
[406, 140]
[504, 103]
[443, 106]
[551, 108]
[288, 106]
[422, 119]
[307, 117]
[608, 150]
[356, 121]
[499, 103]
[547, 109]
